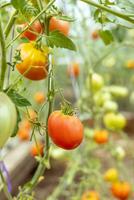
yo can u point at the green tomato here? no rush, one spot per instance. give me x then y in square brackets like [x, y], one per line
[119, 153]
[118, 91]
[96, 83]
[114, 121]
[131, 98]
[101, 97]
[110, 106]
[8, 118]
[89, 133]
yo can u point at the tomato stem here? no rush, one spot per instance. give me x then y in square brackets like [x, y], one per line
[3, 56]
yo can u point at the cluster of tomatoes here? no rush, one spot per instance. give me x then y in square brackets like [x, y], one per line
[119, 189]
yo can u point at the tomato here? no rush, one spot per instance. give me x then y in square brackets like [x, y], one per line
[114, 121]
[90, 195]
[73, 69]
[95, 35]
[97, 82]
[32, 114]
[65, 131]
[118, 91]
[110, 106]
[111, 175]
[101, 136]
[60, 25]
[37, 150]
[29, 34]
[130, 64]
[39, 97]
[8, 118]
[24, 134]
[121, 190]
[119, 153]
[25, 124]
[101, 97]
[34, 62]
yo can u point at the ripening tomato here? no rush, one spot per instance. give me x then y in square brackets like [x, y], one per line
[37, 149]
[101, 136]
[32, 32]
[60, 25]
[130, 64]
[23, 134]
[95, 35]
[121, 190]
[90, 195]
[34, 62]
[73, 69]
[114, 121]
[8, 118]
[65, 131]
[111, 175]
[39, 97]
[25, 124]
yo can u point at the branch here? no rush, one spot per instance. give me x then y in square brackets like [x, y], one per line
[116, 13]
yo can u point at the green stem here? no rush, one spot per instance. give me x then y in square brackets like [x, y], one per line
[10, 23]
[8, 195]
[45, 160]
[114, 12]
[3, 56]
[43, 11]
[5, 4]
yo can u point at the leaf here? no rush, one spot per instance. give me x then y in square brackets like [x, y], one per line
[17, 124]
[18, 99]
[106, 36]
[57, 39]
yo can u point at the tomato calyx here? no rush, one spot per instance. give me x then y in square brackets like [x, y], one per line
[67, 109]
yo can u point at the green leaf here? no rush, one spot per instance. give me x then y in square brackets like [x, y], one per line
[106, 36]
[57, 39]
[18, 99]
[17, 124]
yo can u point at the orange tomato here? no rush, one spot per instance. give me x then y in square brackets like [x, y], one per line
[39, 97]
[37, 150]
[73, 69]
[101, 136]
[60, 25]
[121, 190]
[130, 64]
[90, 195]
[25, 124]
[95, 35]
[32, 114]
[34, 62]
[24, 134]
[66, 131]
[32, 32]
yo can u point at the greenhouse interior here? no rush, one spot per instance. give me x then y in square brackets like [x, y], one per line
[66, 99]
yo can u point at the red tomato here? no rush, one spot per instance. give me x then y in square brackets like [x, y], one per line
[29, 33]
[62, 26]
[65, 131]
